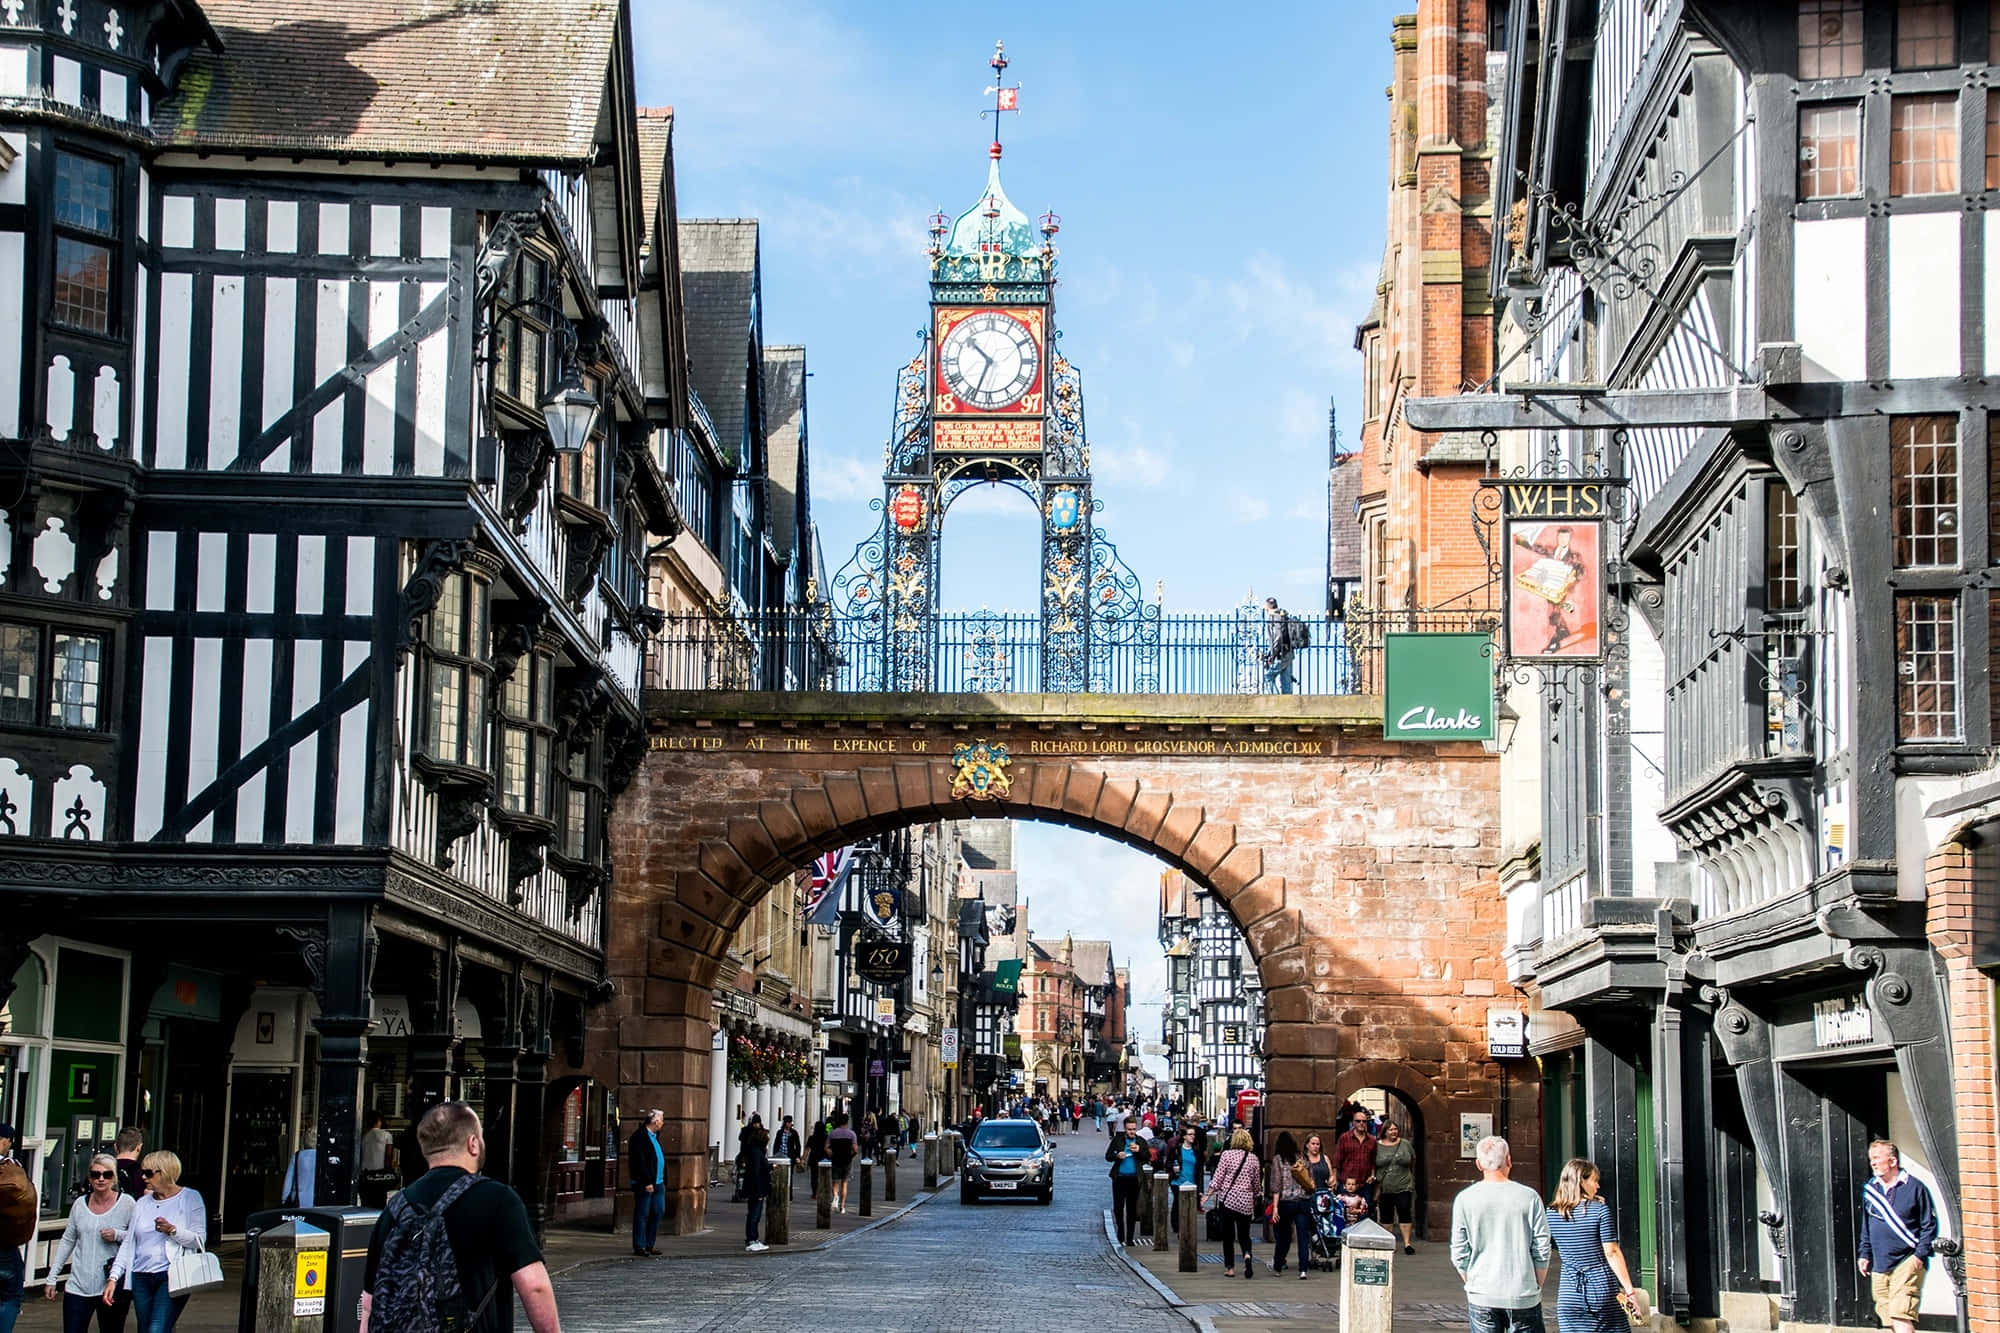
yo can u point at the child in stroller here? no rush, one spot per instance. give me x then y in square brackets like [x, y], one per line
[1329, 1220]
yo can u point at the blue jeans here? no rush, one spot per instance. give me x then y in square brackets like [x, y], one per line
[1491, 1319]
[1278, 676]
[753, 1220]
[158, 1312]
[1294, 1220]
[647, 1210]
[78, 1311]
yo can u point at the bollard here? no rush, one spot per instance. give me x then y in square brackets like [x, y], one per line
[1190, 1218]
[889, 1178]
[868, 1187]
[1159, 1204]
[292, 1279]
[823, 1218]
[778, 1208]
[1142, 1220]
[930, 1161]
[1367, 1287]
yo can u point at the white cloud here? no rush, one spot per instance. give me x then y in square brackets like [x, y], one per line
[845, 477]
[1249, 508]
[858, 232]
[1310, 509]
[1301, 420]
[1129, 465]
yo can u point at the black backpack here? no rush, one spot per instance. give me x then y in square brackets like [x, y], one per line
[416, 1279]
[1296, 633]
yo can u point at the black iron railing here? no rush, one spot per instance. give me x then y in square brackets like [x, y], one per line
[989, 652]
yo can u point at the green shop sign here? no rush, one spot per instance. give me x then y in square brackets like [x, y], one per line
[1439, 687]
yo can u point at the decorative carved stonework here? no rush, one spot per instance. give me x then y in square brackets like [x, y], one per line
[462, 795]
[624, 751]
[588, 542]
[496, 258]
[528, 840]
[585, 883]
[516, 641]
[527, 458]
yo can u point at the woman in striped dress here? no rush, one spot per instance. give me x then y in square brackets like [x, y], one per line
[1595, 1281]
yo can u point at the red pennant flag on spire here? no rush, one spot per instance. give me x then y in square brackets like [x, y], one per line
[1010, 99]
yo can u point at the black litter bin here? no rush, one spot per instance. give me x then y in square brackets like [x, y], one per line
[348, 1233]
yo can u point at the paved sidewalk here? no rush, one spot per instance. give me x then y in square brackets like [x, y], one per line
[568, 1249]
[1429, 1298]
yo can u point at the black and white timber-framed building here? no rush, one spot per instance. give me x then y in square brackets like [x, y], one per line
[1752, 266]
[319, 659]
[1213, 1021]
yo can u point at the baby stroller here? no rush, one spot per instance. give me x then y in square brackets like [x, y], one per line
[1329, 1220]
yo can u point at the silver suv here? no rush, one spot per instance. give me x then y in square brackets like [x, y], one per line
[1009, 1157]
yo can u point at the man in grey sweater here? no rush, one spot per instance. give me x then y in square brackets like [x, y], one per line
[1500, 1246]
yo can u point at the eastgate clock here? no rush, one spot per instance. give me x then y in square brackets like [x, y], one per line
[989, 360]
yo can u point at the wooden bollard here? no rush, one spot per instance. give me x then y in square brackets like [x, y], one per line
[292, 1259]
[1158, 1202]
[778, 1208]
[823, 1216]
[868, 1187]
[930, 1161]
[1190, 1214]
[889, 1177]
[1142, 1221]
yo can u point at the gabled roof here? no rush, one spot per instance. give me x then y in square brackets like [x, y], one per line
[656, 139]
[1091, 961]
[785, 437]
[522, 80]
[719, 292]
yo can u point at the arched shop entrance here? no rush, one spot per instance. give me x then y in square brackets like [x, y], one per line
[1360, 871]
[1401, 1098]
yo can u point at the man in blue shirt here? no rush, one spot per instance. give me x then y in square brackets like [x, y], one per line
[1898, 1228]
[1127, 1153]
[647, 1162]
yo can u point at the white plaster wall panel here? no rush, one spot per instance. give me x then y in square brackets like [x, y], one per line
[107, 575]
[333, 229]
[141, 342]
[1830, 297]
[177, 221]
[329, 355]
[434, 234]
[303, 777]
[230, 224]
[378, 419]
[66, 81]
[114, 95]
[54, 553]
[105, 399]
[59, 411]
[385, 230]
[360, 575]
[350, 800]
[281, 299]
[13, 315]
[162, 550]
[204, 727]
[145, 205]
[211, 578]
[256, 725]
[281, 227]
[176, 337]
[225, 377]
[310, 594]
[260, 594]
[13, 72]
[154, 706]
[433, 371]
[1923, 296]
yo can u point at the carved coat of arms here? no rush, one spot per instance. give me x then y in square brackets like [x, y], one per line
[980, 771]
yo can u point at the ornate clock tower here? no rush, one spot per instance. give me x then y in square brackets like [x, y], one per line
[990, 398]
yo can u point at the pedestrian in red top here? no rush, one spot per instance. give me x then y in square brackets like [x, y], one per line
[1354, 1154]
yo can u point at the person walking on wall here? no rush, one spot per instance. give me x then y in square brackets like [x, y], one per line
[1898, 1229]
[1500, 1246]
[647, 1161]
[1280, 646]
[1596, 1288]
[1396, 1182]
[1233, 1190]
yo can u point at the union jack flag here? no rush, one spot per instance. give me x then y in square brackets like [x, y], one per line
[829, 877]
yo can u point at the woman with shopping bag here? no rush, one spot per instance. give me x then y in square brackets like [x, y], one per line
[163, 1258]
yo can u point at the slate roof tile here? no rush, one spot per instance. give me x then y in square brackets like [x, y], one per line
[719, 294]
[496, 79]
[784, 424]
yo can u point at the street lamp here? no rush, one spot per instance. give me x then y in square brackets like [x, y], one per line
[570, 410]
[1505, 722]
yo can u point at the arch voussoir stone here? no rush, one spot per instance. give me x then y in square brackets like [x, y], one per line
[850, 807]
[1082, 793]
[878, 790]
[1241, 868]
[1178, 829]
[1255, 902]
[749, 840]
[1046, 792]
[1115, 805]
[722, 863]
[783, 827]
[913, 786]
[815, 811]
[1206, 850]
[1149, 811]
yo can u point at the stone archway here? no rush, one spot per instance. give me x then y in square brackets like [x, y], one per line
[1361, 871]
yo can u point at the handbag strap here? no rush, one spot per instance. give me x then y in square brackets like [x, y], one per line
[1222, 1190]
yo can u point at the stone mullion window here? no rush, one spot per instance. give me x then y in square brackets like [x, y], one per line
[1928, 686]
[526, 733]
[51, 677]
[457, 666]
[521, 335]
[86, 243]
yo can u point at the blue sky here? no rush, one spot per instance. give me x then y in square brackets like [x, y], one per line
[1220, 175]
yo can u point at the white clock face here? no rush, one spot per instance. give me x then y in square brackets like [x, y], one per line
[989, 360]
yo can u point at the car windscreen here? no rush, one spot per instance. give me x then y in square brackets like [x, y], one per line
[1006, 1136]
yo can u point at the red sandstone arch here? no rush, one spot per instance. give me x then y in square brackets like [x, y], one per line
[711, 823]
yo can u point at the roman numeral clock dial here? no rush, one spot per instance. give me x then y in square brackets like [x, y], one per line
[989, 360]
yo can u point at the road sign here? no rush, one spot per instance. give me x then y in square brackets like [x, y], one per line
[309, 1283]
[948, 1048]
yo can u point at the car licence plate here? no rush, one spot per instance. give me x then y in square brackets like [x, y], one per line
[1006, 1184]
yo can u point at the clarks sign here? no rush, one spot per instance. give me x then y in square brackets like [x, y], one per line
[1439, 687]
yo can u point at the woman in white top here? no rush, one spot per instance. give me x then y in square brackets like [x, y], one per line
[170, 1219]
[97, 1225]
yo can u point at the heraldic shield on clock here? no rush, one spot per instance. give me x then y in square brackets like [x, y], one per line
[990, 398]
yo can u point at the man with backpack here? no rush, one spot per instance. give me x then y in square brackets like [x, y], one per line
[454, 1249]
[1283, 637]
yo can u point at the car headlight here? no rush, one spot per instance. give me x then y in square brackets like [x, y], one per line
[974, 1159]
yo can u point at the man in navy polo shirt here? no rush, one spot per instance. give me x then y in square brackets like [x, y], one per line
[1898, 1228]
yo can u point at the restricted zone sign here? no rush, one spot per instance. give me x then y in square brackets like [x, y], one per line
[309, 1283]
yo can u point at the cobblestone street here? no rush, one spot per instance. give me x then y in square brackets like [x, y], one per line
[941, 1267]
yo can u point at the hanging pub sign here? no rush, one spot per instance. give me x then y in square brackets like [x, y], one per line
[1554, 555]
[1437, 687]
[906, 508]
[884, 962]
[884, 904]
